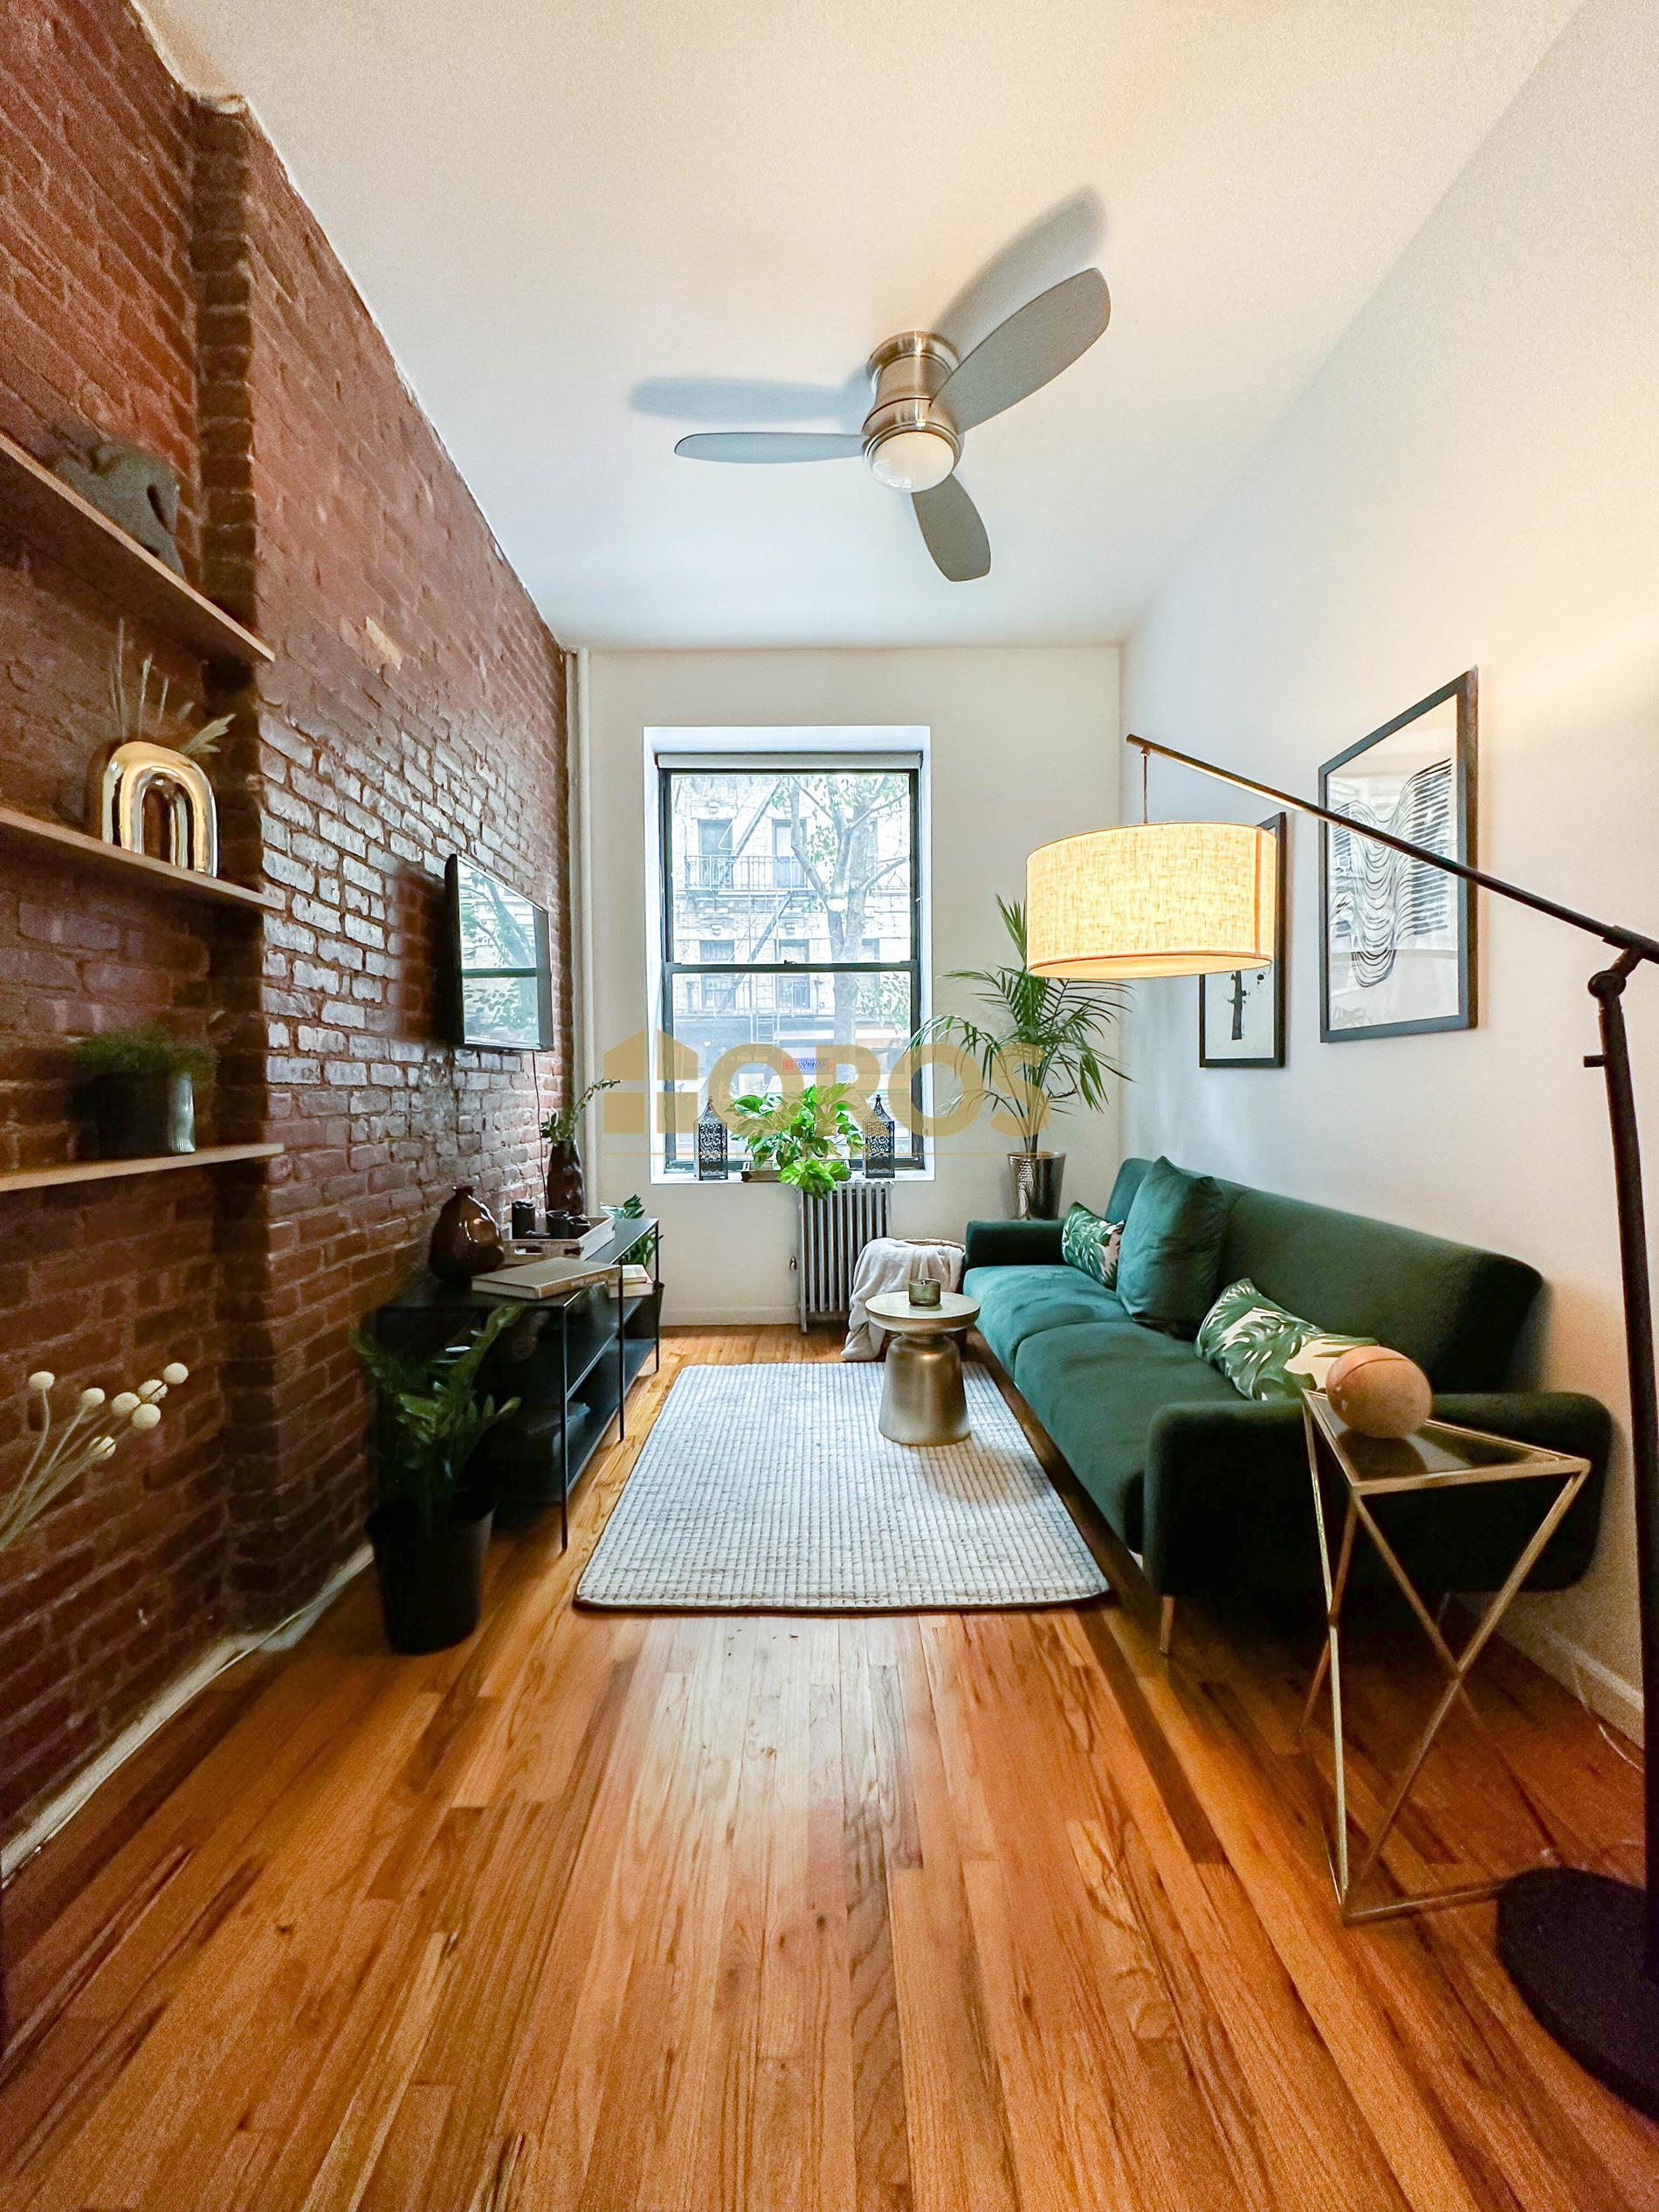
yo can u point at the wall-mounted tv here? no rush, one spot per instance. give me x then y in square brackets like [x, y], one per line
[500, 961]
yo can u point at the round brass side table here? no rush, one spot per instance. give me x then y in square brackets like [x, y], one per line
[922, 1397]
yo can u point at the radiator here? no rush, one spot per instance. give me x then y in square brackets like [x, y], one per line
[833, 1230]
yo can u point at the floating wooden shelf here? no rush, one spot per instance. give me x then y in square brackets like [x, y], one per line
[52, 515]
[77, 849]
[213, 1155]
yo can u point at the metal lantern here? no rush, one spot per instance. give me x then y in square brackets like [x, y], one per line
[712, 1139]
[879, 1141]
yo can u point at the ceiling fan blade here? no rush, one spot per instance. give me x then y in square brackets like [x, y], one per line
[1029, 350]
[1065, 237]
[954, 533]
[746, 401]
[771, 445]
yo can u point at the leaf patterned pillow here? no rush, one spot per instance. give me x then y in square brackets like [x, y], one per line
[1263, 1351]
[1089, 1242]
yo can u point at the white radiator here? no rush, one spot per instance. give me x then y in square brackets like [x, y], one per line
[833, 1230]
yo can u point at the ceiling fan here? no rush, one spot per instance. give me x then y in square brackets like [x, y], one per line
[924, 402]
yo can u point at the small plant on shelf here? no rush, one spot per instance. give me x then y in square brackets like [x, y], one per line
[805, 1140]
[566, 1191]
[141, 1084]
[88, 1440]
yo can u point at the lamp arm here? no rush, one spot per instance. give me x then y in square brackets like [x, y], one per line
[1626, 941]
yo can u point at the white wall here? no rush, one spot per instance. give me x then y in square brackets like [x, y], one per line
[1021, 750]
[1473, 479]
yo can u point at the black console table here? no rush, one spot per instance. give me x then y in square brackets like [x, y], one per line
[570, 1361]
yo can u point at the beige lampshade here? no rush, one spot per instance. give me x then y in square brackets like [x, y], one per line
[1160, 898]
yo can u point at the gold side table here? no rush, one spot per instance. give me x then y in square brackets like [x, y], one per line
[922, 1397]
[1439, 1457]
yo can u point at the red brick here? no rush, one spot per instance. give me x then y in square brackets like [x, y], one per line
[160, 278]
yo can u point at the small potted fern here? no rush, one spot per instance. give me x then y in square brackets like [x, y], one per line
[430, 1526]
[140, 1086]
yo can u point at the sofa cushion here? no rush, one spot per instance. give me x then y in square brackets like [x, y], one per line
[1171, 1253]
[1095, 1387]
[1089, 1243]
[1263, 1351]
[1019, 1302]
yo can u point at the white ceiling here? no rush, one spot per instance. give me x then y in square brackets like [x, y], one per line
[547, 204]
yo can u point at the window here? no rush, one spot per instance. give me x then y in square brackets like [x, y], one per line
[717, 990]
[710, 869]
[794, 992]
[785, 869]
[791, 911]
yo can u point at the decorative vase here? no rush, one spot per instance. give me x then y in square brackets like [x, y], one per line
[431, 1580]
[144, 1117]
[566, 1188]
[466, 1240]
[1036, 1178]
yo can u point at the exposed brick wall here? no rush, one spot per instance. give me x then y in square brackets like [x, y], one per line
[160, 278]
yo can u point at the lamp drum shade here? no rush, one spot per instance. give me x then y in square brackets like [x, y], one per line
[1157, 899]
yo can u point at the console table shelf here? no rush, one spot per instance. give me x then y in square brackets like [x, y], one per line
[76, 849]
[49, 513]
[213, 1155]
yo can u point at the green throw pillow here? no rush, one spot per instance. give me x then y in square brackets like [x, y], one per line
[1088, 1242]
[1263, 1351]
[1171, 1253]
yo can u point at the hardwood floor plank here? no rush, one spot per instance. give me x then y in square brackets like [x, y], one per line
[976, 1913]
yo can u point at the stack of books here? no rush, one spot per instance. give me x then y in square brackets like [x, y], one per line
[595, 1231]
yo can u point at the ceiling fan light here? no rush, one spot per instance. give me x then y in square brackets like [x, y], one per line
[912, 460]
[1157, 899]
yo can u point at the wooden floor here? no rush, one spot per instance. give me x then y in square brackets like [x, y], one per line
[962, 1914]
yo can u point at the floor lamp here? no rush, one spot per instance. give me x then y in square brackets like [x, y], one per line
[1582, 1948]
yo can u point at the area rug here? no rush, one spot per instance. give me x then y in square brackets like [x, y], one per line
[771, 1489]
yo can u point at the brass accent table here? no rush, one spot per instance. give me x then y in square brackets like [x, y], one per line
[922, 1397]
[1438, 1456]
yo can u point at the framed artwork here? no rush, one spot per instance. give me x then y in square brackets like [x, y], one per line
[1396, 939]
[1241, 1016]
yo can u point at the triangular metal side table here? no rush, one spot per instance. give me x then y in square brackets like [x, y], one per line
[1440, 1456]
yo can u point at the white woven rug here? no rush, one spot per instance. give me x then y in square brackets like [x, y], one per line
[770, 1489]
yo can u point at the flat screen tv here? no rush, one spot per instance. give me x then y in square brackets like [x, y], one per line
[501, 965]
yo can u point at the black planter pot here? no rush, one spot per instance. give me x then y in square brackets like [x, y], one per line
[143, 1117]
[432, 1587]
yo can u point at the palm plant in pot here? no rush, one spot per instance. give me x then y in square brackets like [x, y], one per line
[1043, 1047]
[802, 1140]
[141, 1085]
[429, 1528]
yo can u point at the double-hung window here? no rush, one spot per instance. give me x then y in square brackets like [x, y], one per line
[791, 911]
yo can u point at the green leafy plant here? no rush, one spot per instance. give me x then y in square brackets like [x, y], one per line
[434, 1419]
[1045, 1043]
[148, 1048]
[806, 1138]
[562, 1128]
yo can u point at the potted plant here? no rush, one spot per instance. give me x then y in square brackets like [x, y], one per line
[1043, 1048]
[141, 1084]
[565, 1187]
[803, 1142]
[429, 1528]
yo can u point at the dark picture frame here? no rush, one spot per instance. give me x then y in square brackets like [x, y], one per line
[1214, 988]
[1376, 902]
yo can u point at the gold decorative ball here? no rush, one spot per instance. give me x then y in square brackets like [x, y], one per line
[1379, 1392]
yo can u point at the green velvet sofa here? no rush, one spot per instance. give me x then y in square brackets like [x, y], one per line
[1211, 1488]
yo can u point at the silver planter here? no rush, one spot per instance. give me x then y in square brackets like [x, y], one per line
[1036, 1178]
